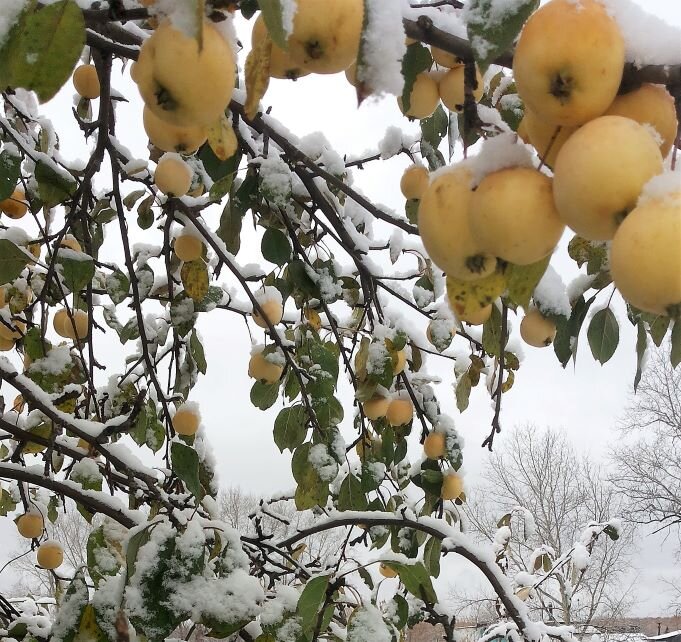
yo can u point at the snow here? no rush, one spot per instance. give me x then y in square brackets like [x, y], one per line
[550, 295]
[392, 142]
[267, 293]
[496, 153]
[285, 601]
[383, 48]
[665, 186]
[367, 625]
[323, 462]
[10, 12]
[580, 557]
[317, 147]
[288, 13]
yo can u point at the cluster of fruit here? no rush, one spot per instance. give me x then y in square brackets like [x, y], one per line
[50, 554]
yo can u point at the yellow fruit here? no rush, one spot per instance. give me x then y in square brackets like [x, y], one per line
[6, 344]
[424, 97]
[474, 317]
[399, 365]
[188, 247]
[64, 325]
[452, 91]
[536, 330]
[326, 33]
[645, 256]
[12, 330]
[546, 139]
[523, 593]
[86, 81]
[281, 65]
[652, 105]
[172, 138]
[272, 310]
[569, 61]
[30, 525]
[452, 486]
[414, 181]
[15, 206]
[182, 84]
[600, 172]
[445, 228]
[512, 215]
[444, 333]
[71, 242]
[172, 176]
[376, 407]
[400, 412]
[50, 555]
[522, 129]
[351, 74]
[386, 571]
[444, 58]
[259, 367]
[186, 420]
[435, 445]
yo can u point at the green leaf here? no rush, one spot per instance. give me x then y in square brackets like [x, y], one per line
[675, 356]
[416, 580]
[401, 612]
[12, 261]
[491, 333]
[658, 328]
[523, 279]
[290, 427]
[603, 335]
[101, 559]
[433, 130]
[311, 601]
[272, 15]
[77, 272]
[71, 609]
[145, 214]
[53, 187]
[611, 532]
[351, 496]
[230, 227]
[416, 60]
[491, 31]
[7, 504]
[275, 247]
[132, 198]
[463, 391]
[431, 556]
[641, 345]
[264, 395]
[43, 48]
[197, 351]
[311, 490]
[117, 286]
[185, 463]
[10, 170]
[139, 539]
[568, 330]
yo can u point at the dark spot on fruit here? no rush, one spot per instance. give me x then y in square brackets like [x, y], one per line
[562, 86]
[475, 264]
[313, 48]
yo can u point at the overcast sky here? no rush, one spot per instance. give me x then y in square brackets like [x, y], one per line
[584, 401]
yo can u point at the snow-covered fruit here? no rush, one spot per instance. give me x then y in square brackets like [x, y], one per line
[281, 63]
[452, 486]
[600, 172]
[376, 407]
[30, 525]
[444, 226]
[71, 242]
[451, 88]
[74, 326]
[86, 81]
[536, 330]
[182, 83]
[263, 369]
[569, 61]
[187, 419]
[15, 206]
[173, 176]
[188, 247]
[50, 555]
[172, 138]
[272, 310]
[645, 255]
[423, 99]
[326, 34]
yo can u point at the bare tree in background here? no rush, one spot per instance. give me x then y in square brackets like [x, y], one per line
[540, 471]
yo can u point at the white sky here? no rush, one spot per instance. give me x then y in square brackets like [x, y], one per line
[585, 400]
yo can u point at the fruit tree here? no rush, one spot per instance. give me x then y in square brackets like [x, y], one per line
[543, 130]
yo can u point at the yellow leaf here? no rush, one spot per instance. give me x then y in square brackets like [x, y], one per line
[470, 296]
[88, 630]
[298, 551]
[257, 75]
[313, 318]
[222, 139]
[195, 279]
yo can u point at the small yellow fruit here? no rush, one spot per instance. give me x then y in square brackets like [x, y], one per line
[424, 97]
[182, 83]
[400, 412]
[71, 242]
[86, 81]
[652, 105]
[444, 58]
[281, 64]
[15, 206]
[386, 571]
[186, 420]
[188, 247]
[414, 181]
[440, 334]
[12, 330]
[445, 229]
[326, 34]
[6, 344]
[376, 407]
[399, 365]
[63, 324]
[536, 330]
[272, 310]
[645, 256]
[452, 486]
[512, 215]
[474, 317]
[600, 172]
[545, 138]
[50, 555]
[172, 138]
[523, 593]
[173, 176]
[435, 445]
[259, 367]
[569, 61]
[30, 525]
[452, 90]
